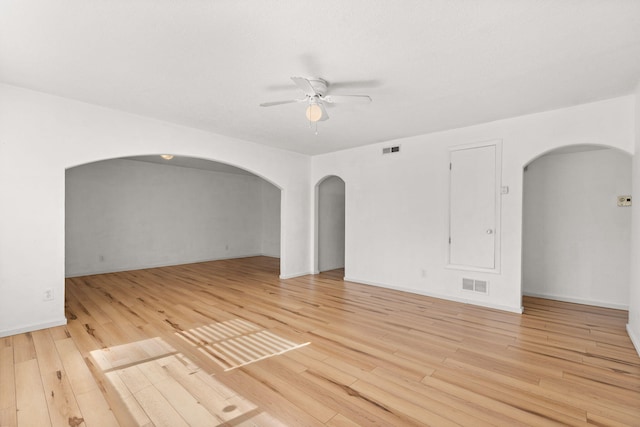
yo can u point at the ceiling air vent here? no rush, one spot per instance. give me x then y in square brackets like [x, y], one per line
[389, 150]
[481, 286]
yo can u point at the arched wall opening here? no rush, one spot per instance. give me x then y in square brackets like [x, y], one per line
[57, 134]
[575, 237]
[145, 211]
[329, 224]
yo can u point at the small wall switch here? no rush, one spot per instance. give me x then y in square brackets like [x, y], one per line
[48, 295]
[624, 201]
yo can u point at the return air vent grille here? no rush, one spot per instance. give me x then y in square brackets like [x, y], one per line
[481, 286]
[389, 150]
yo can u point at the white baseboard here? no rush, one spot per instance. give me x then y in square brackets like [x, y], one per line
[292, 275]
[578, 300]
[143, 267]
[33, 327]
[517, 309]
[635, 339]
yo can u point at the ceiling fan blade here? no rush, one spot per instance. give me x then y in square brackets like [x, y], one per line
[271, 104]
[347, 99]
[304, 85]
[325, 116]
[351, 84]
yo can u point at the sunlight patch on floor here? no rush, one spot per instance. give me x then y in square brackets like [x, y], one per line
[235, 343]
[160, 386]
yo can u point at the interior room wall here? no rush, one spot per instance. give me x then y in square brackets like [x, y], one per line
[397, 204]
[42, 135]
[125, 214]
[576, 240]
[270, 219]
[331, 194]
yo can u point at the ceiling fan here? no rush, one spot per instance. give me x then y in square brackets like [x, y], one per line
[315, 91]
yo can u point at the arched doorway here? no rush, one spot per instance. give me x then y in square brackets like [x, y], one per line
[330, 224]
[576, 239]
[145, 211]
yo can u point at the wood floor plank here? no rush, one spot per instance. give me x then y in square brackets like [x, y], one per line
[519, 415]
[512, 396]
[161, 346]
[61, 401]
[224, 404]
[128, 411]
[351, 404]
[31, 402]
[23, 348]
[429, 399]
[269, 400]
[291, 386]
[187, 405]
[455, 408]
[341, 421]
[77, 371]
[8, 408]
[403, 408]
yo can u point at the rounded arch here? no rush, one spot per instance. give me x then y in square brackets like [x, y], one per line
[167, 208]
[184, 157]
[573, 233]
[329, 176]
[569, 147]
[63, 133]
[329, 223]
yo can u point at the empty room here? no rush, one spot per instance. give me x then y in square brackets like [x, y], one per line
[292, 213]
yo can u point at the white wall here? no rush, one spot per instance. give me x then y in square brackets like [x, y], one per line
[270, 219]
[397, 204]
[331, 193]
[42, 135]
[633, 327]
[124, 215]
[576, 240]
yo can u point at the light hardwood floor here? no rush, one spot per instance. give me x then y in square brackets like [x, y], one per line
[228, 343]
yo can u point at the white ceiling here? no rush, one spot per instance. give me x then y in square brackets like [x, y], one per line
[428, 65]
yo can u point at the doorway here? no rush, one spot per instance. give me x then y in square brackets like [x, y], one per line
[145, 211]
[576, 237]
[330, 224]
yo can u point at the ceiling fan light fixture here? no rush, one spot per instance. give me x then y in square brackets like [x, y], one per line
[315, 96]
[314, 112]
[167, 156]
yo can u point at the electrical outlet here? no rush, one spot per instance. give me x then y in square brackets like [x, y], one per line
[624, 201]
[48, 295]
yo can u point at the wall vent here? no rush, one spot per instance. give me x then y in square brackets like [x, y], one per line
[389, 150]
[481, 286]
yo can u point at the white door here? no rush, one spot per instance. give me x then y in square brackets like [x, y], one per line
[472, 233]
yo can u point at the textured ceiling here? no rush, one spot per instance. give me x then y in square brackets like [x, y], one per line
[428, 65]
